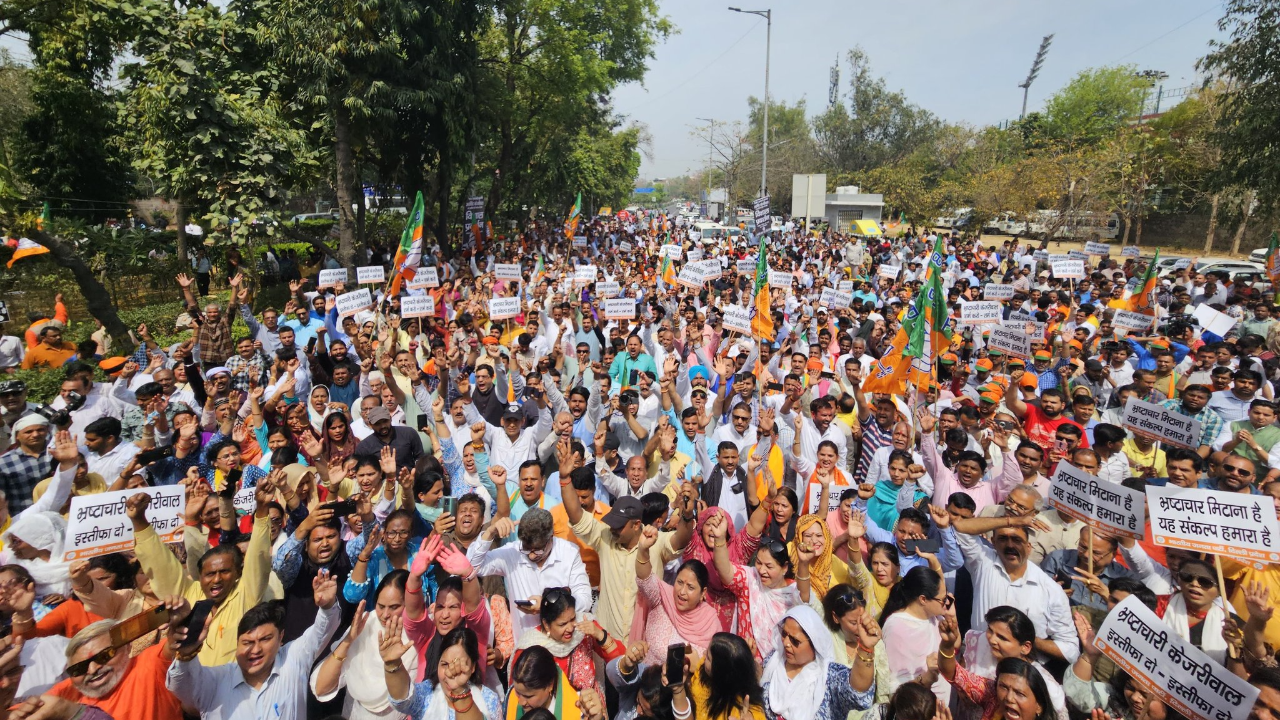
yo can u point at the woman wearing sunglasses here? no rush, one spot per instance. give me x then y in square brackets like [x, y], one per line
[910, 620]
[762, 591]
[1196, 611]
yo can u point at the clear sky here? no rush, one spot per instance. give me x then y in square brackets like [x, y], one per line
[960, 59]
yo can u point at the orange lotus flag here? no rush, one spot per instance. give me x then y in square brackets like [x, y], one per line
[1143, 299]
[762, 322]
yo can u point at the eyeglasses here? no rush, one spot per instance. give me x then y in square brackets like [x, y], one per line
[395, 533]
[539, 553]
[102, 658]
[743, 418]
[946, 601]
[1237, 470]
[1204, 581]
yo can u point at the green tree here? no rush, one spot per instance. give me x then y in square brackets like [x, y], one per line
[1094, 104]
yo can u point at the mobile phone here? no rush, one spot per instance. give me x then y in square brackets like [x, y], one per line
[230, 483]
[146, 457]
[194, 623]
[1063, 577]
[139, 625]
[675, 663]
[342, 508]
[634, 377]
[311, 344]
[449, 505]
[827, 375]
[928, 545]
[1060, 447]
[423, 419]
[774, 386]
[523, 603]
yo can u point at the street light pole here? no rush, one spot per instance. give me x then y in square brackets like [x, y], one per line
[710, 146]
[764, 144]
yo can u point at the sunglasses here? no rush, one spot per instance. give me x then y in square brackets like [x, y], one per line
[776, 547]
[1235, 470]
[102, 658]
[1203, 581]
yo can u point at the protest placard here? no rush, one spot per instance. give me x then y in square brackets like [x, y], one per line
[1218, 323]
[507, 271]
[1131, 320]
[1068, 269]
[329, 278]
[737, 318]
[1078, 255]
[353, 302]
[98, 524]
[620, 308]
[579, 240]
[1130, 251]
[608, 288]
[1171, 668]
[980, 312]
[1058, 257]
[834, 491]
[711, 268]
[1108, 507]
[584, 274]
[997, 292]
[691, 277]
[746, 267]
[1011, 339]
[1169, 426]
[672, 251]
[828, 297]
[503, 308]
[695, 255]
[780, 280]
[761, 208]
[1222, 523]
[425, 277]
[845, 286]
[244, 501]
[890, 271]
[1041, 255]
[624, 246]
[1018, 318]
[417, 306]
[1097, 248]
[1182, 263]
[371, 275]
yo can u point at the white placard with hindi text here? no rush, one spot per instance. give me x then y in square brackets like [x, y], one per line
[98, 525]
[997, 292]
[1174, 670]
[353, 302]
[671, 251]
[737, 318]
[1130, 320]
[503, 308]
[1130, 251]
[245, 500]
[1078, 255]
[691, 277]
[579, 240]
[584, 274]
[620, 308]
[624, 246]
[890, 271]
[1108, 507]
[845, 286]
[1057, 257]
[371, 275]
[608, 288]
[1221, 523]
[1068, 269]
[417, 306]
[1011, 339]
[980, 312]
[329, 278]
[746, 267]
[425, 277]
[507, 271]
[781, 280]
[1166, 425]
[1097, 248]
[695, 254]
[711, 268]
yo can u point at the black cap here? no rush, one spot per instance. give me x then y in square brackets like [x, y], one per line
[611, 442]
[624, 511]
[513, 412]
[12, 386]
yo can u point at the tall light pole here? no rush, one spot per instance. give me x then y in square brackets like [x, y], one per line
[710, 145]
[1035, 71]
[1153, 77]
[764, 141]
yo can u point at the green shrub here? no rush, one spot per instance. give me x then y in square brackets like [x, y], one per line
[42, 384]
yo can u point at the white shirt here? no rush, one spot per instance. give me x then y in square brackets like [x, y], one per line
[113, 462]
[221, 693]
[507, 452]
[1035, 593]
[11, 354]
[810, 438]
[562, 568]
[1115, 468]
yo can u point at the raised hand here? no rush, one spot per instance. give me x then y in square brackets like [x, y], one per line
[949, 631]
[866, 491]
[324, 588]
[455, 562]
[869, 631]
[648, 538]
[1257, 600]
[387, 461]
[184, 280]
[426, 554]
[498, 475]
[391, 644]
[857, 525]
[65, 450]
[940, 516]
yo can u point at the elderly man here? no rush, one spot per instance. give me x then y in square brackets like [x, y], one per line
[268, 678]
[102, 673]
[214, 333]
[27, 463]
[13, 405]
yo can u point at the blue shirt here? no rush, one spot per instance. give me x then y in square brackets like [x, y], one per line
[949, 556]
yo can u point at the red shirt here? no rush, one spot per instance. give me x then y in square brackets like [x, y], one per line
[1042, 430]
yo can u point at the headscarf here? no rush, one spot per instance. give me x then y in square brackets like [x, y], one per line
[820, 566]
[316, 417]
[801, 697]
[697, 548]
[42, 531]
